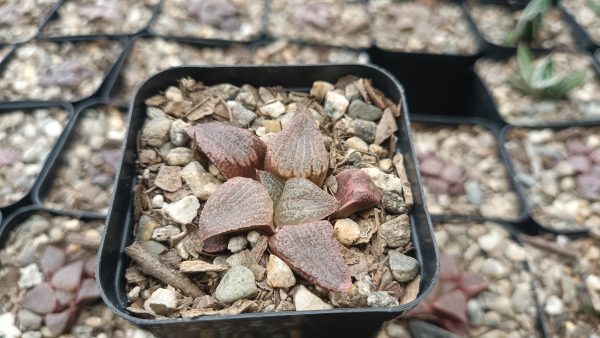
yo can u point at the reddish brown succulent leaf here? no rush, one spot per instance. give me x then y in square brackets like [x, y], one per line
[273, 183]
[10, 156]
[68, 277]
[302, 201]
[298, 150]
[312, 251]
[89, 267]
[471, 284]
[240, 204]
[88, 292]
[61, 322]
[452, 305]
[356, 192]
[448, 268]
[216, 244]
[65, 298]
[234, 151]
[52, 259]
[40, 299]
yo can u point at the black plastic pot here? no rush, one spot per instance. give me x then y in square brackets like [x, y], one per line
[109, 75]
[55, 16]
[47, 177]
[580, 33]
[515, 237]
[28, 107]
[15, 219]
[436, 84]
[356, 322]
[206, 41]
[482, 99]
[521, 220]
[488, 48]
[113, 85]
[531, 223]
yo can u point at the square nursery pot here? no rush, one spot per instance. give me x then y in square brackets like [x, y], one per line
[360, 322]
[584, 37]
[495, 49]
[483, 100]
[520, 217]
[109, 151]
[102, 82]
[532, 224]
[52, 26]
[52, 152]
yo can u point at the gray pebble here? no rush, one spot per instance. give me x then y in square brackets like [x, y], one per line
[238, 283]
[381, 299]
[355, 127]
[404, 268]
[361, 110]
[393, 203]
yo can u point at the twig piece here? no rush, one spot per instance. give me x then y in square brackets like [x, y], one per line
[398, 162]
[547, 245]
[153, 267]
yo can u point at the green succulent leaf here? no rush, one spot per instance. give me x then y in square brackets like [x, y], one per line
[539, 79]
[529, 23]
[595, 6]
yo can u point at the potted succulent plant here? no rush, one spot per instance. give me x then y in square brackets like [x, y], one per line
[526, 90]
[501, 27]
[247, 197]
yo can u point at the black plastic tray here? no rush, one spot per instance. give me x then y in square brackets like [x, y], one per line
[114, 83]
[482, 99]
[496, 131]
[359, 322]
[109, 76]
[531, 222]
[580, 33]
[55, 16]
[435, 84]
[207, 41]
[47, 177]
[28, 107]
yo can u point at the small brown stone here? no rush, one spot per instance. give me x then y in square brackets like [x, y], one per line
[169, 178]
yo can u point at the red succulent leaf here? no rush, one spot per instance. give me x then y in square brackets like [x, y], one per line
[302, 201]
[471, 284]
[431, 165]
[589, 185]
[234, 151]
[356, 192]
[312, 251]
[448, 268]
[10, 156]
[298, 151]
[240, 204]
[61, 322]
[456, 327]
[40, 299]
[451, 305]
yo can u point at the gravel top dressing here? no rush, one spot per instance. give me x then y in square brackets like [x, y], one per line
[26, 139]
[320, 201]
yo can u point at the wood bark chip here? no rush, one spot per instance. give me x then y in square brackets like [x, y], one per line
[200, 266]
[312, 251]
[298, 150]
[386, 127]
[240, 204]
[379, 99]
[153, 267]
[398, 162]
[234, 151]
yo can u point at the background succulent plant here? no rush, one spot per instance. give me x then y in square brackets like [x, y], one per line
[539, 79]
[594, 5]
[530, 22]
